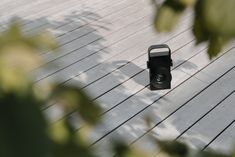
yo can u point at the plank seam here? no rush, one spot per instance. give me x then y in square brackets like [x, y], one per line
[151, 103]
[85, 56]
[149, 130]
[218, 134]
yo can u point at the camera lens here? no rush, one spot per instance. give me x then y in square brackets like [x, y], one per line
[160, 78]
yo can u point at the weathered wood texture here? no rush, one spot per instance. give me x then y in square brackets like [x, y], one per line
[103, 49]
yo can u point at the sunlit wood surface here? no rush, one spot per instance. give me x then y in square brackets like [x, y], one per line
[103, 49]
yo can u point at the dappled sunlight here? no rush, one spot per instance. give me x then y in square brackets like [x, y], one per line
[195, 140]
[165, 131]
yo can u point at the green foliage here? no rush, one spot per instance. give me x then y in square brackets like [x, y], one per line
[18, 55]
[166, 18]
[168, 15]
[121, 149]
[174, 148]
[214, 21]
[23, 127]
[25, 130]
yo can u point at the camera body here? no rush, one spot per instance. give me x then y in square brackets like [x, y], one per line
[159, 64]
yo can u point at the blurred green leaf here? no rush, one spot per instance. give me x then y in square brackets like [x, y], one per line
[14, 36]
[45, 40]
[72, 150]
[176, 5]
[59, 133]
[18, 56]
[200, 32]
[23, 127]
[168, 15]
[165, 19]
[74, 99]
[188, 3]
[215, 46]
[219, 17]
[214, 21]
[233, 152]
[174, 148]
[121, 149]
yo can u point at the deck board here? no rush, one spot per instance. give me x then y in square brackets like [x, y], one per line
[103, 49]
[165, 106]
[111, 94]
[81, 57]
[214, 122]
[225, 141]
[80, 16]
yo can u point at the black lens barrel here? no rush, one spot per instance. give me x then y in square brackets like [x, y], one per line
[159, 63]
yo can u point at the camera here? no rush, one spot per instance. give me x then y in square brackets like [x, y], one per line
[159, 64]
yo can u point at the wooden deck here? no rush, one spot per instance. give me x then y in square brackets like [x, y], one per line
[104, 50]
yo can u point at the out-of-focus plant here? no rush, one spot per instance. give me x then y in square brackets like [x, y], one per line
[24, 129]
[214, 20]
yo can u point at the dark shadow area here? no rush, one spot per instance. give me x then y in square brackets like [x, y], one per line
[187, 64]
[130, 67]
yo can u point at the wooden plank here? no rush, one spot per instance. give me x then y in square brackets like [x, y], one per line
[105, 15]
[128, 71]
[228, 58]
[123, 59]
[98, 38]
[55, 10]
[100, 55]
[81, 48]
[41, 21]
[32, 15]
[29, 10]
[117, 96]
[136, 104]
[103, 28]
[170, 39]
[10, 6]
[200, 134]
[156, 107]
[79, 16]
[45, 4]
[225, 142]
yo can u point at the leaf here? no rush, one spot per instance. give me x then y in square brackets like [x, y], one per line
[22, 127]
[45, 41]
[215, 46]
[165, 19]
[121, 149]
[189, 3]
[219, 17]
[14, 36]
[168, 15]
[210, 154]
[233, 152]
[15, 63]
[59, 133]
[72, 150]
[176, 5]
[18, 56]
[174, 148]
[199, 30]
